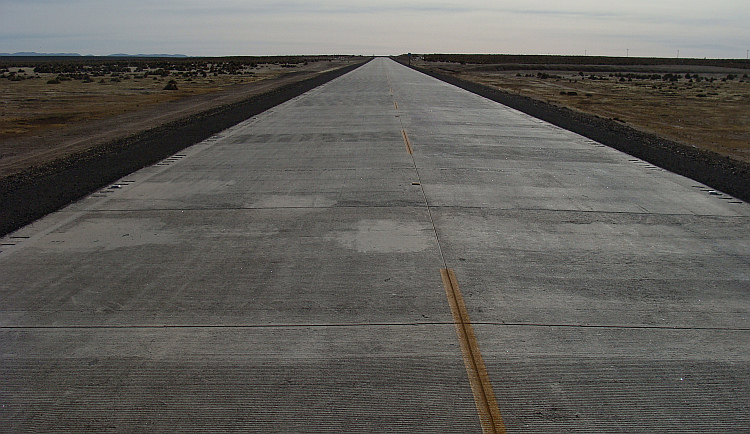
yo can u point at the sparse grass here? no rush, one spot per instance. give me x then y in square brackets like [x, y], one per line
[34, 89]
[97, 101]
[39, 96]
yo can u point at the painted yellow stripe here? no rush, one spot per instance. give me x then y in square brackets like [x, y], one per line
[406, 142]
[484, 397]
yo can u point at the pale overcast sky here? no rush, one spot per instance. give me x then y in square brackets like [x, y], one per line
[697, 28]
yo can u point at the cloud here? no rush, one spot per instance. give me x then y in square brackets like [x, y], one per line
[228, 7]
[231, 27]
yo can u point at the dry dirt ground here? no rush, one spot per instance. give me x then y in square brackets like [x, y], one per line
[64, 139]
[707, 111]
[42, 121]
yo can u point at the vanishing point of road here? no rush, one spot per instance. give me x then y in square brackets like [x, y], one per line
[383, 254]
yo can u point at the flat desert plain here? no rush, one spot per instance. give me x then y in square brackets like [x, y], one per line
[53, 107]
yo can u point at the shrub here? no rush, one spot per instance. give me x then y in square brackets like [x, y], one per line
[171, 85]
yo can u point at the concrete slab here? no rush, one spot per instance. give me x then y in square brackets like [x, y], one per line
[607, 294]
[284, 276]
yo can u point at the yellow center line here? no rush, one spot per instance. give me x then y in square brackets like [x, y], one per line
[484, 397]
[406, 142]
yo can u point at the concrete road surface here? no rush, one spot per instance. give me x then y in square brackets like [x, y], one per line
[384, 254]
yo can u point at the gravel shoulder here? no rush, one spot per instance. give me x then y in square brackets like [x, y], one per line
[85, 116]
[64, 165]
[727, 173]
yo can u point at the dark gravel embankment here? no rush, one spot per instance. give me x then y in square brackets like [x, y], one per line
[717, 171]
[33, 193]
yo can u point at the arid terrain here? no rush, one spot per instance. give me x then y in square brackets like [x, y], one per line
[694, 103]
[50, 108]
[72, 126]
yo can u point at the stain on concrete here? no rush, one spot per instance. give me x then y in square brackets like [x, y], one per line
[294, 201]
[106, 234]
[387, 236]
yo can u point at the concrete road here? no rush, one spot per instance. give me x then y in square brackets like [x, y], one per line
[385, 253]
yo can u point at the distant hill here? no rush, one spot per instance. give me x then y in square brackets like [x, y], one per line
[147, 55]
[34, 54]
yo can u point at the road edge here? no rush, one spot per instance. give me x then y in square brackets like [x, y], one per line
[38, 191]
[717, 171]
